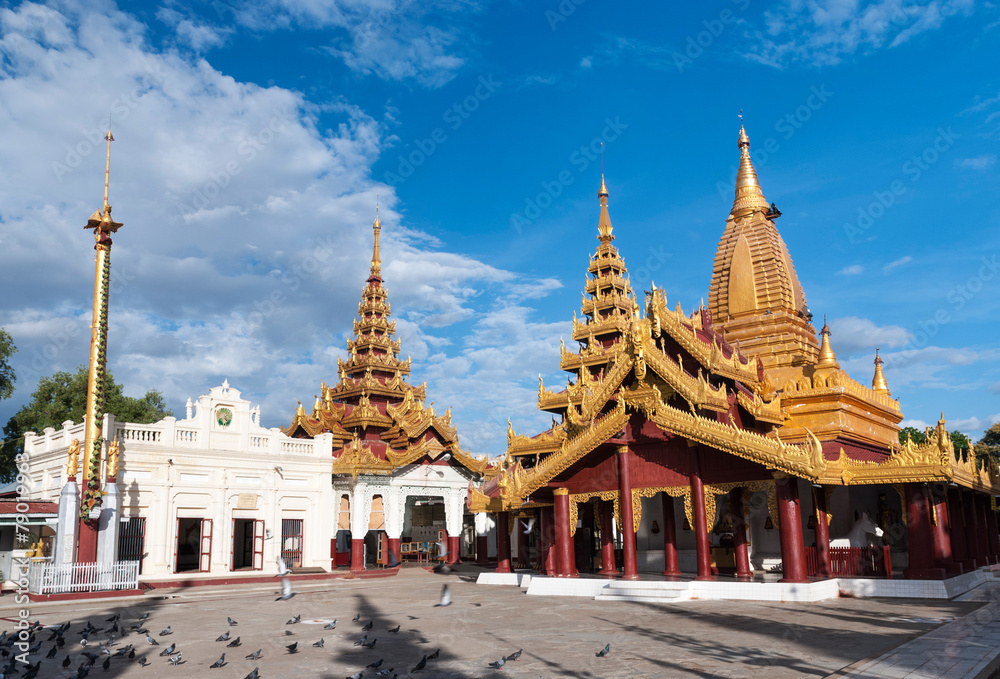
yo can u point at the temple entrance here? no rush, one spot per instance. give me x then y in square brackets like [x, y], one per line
[248, 545]
[194, 546]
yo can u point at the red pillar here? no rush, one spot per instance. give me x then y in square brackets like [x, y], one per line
[739, 535]
[985, 548]
[548, 552]
[503, 543]
[822, 533]
[793, 550]
[670, 569]
[453, 547]
[918, 537]
[482, 549]
[700, 524]
[971, 530]
[523, 555]
[393, 550]
[631, 570]
[991, 527]
[357, 555]
[940, 532]
[86, 547]
[956, 524]
[607, 510]
[565, 557]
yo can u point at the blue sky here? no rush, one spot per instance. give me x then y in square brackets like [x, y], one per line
[253, 139]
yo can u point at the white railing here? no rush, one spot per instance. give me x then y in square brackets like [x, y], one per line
[186, 437]
[296, 447]
[260, 442]
[47, 578]
[139, 433]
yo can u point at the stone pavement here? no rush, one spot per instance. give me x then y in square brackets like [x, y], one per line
[559, 635]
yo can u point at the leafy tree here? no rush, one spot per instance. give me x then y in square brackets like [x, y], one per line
[63, 396]
[7, 376]
[989, 445]
[962, 445]
[915, 435]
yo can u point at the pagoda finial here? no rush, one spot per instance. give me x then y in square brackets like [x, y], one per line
[107, 167]
[604, 227]
[879, 385]
[826, 356]
[101, 221]
[749, 197]
[376, 258]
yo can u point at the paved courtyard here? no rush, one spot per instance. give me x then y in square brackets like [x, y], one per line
[559, 635]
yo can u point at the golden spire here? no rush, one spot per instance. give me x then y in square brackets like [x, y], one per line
[879, 385]
[101, 221]
[827, 359]
[604, 224]
[749, 197]
[376, 259]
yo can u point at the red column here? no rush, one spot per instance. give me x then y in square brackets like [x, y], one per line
[86, 547]
[453, 547]
[523, 555]
[822, 533]
[940, 532]
[631, 570]
[393, 550]
[700, 525]
[956, 524]
[503, 543]
[482, 549]
[918, 537]
[357, 555]
[991, 527]
[739, 535]
[548, 553]
[607, 510]
[984, 531]
[671, 568]
[565, 557]
[793, 550]
[971, 530]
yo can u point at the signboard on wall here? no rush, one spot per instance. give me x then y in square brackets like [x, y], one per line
[247, 501]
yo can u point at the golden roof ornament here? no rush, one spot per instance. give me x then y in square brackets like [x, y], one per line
[879, 385]
[101, 221]
[376, 258]
[749, 197]
[604, 223]
[827, 359]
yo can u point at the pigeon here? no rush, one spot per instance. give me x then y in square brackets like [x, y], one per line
[175, 660]
[224, 637]
[114, 618]
[370, 644]
[434, 655]
[142, 661]
[385, 673]
[256, 654]
[320, 643]
[282, 568]
[254, 674]
[395, 629]
[330, 625]
[499, 663]
[131, 654]
[362, 641]
[604, 651]
[515, 655]
[235, 643]
[357, 617]
[232, 623]
[219, 663]
[166, 631]
[289, 632]
[294, 620]
[293, 648]
[375, 665]
[356, 675]
[420, 665]
[144, 615]
[371, 623]
[445, 597]
[52, 651]
[286, 590]
[169, 650]
[35, 649]
[106, 664]
[103, 650]
[529, 525]
[66, 662]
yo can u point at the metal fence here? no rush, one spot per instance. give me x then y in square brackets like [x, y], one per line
[48, 578]
[853, 562]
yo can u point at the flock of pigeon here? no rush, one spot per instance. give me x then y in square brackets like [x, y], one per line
[107, 647]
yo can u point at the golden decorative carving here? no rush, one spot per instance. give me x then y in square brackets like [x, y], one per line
[357, 458]
[577, 498]
[113, 455]
[73, 463]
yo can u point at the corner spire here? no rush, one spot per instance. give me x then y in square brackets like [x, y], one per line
[749, 197]
[604, 227]
[879, 384]
[827, 359]
[376, 258]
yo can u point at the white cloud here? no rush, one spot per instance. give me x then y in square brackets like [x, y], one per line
[973, 427]
[851, 335]
[825, 32]
[586, 62]
[852, 270]
[896, 263]
[977, 164]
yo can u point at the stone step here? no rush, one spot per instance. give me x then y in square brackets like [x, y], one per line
[660, 597]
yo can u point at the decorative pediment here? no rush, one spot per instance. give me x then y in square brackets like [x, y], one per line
[358, 458]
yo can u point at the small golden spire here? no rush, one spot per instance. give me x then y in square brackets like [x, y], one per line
[749, 197]
[376, 259]
[879, 385]
[827, 359]
[101, 221]
[604, 224]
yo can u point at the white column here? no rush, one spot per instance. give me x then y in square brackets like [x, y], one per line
[69, 519]
[108, 525]
[361, 505]
[453, 513]
[392, 504]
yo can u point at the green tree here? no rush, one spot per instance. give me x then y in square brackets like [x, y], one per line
[915, 435]
[7, 376]
[989, 445]
[63, 396]
[962, 445]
